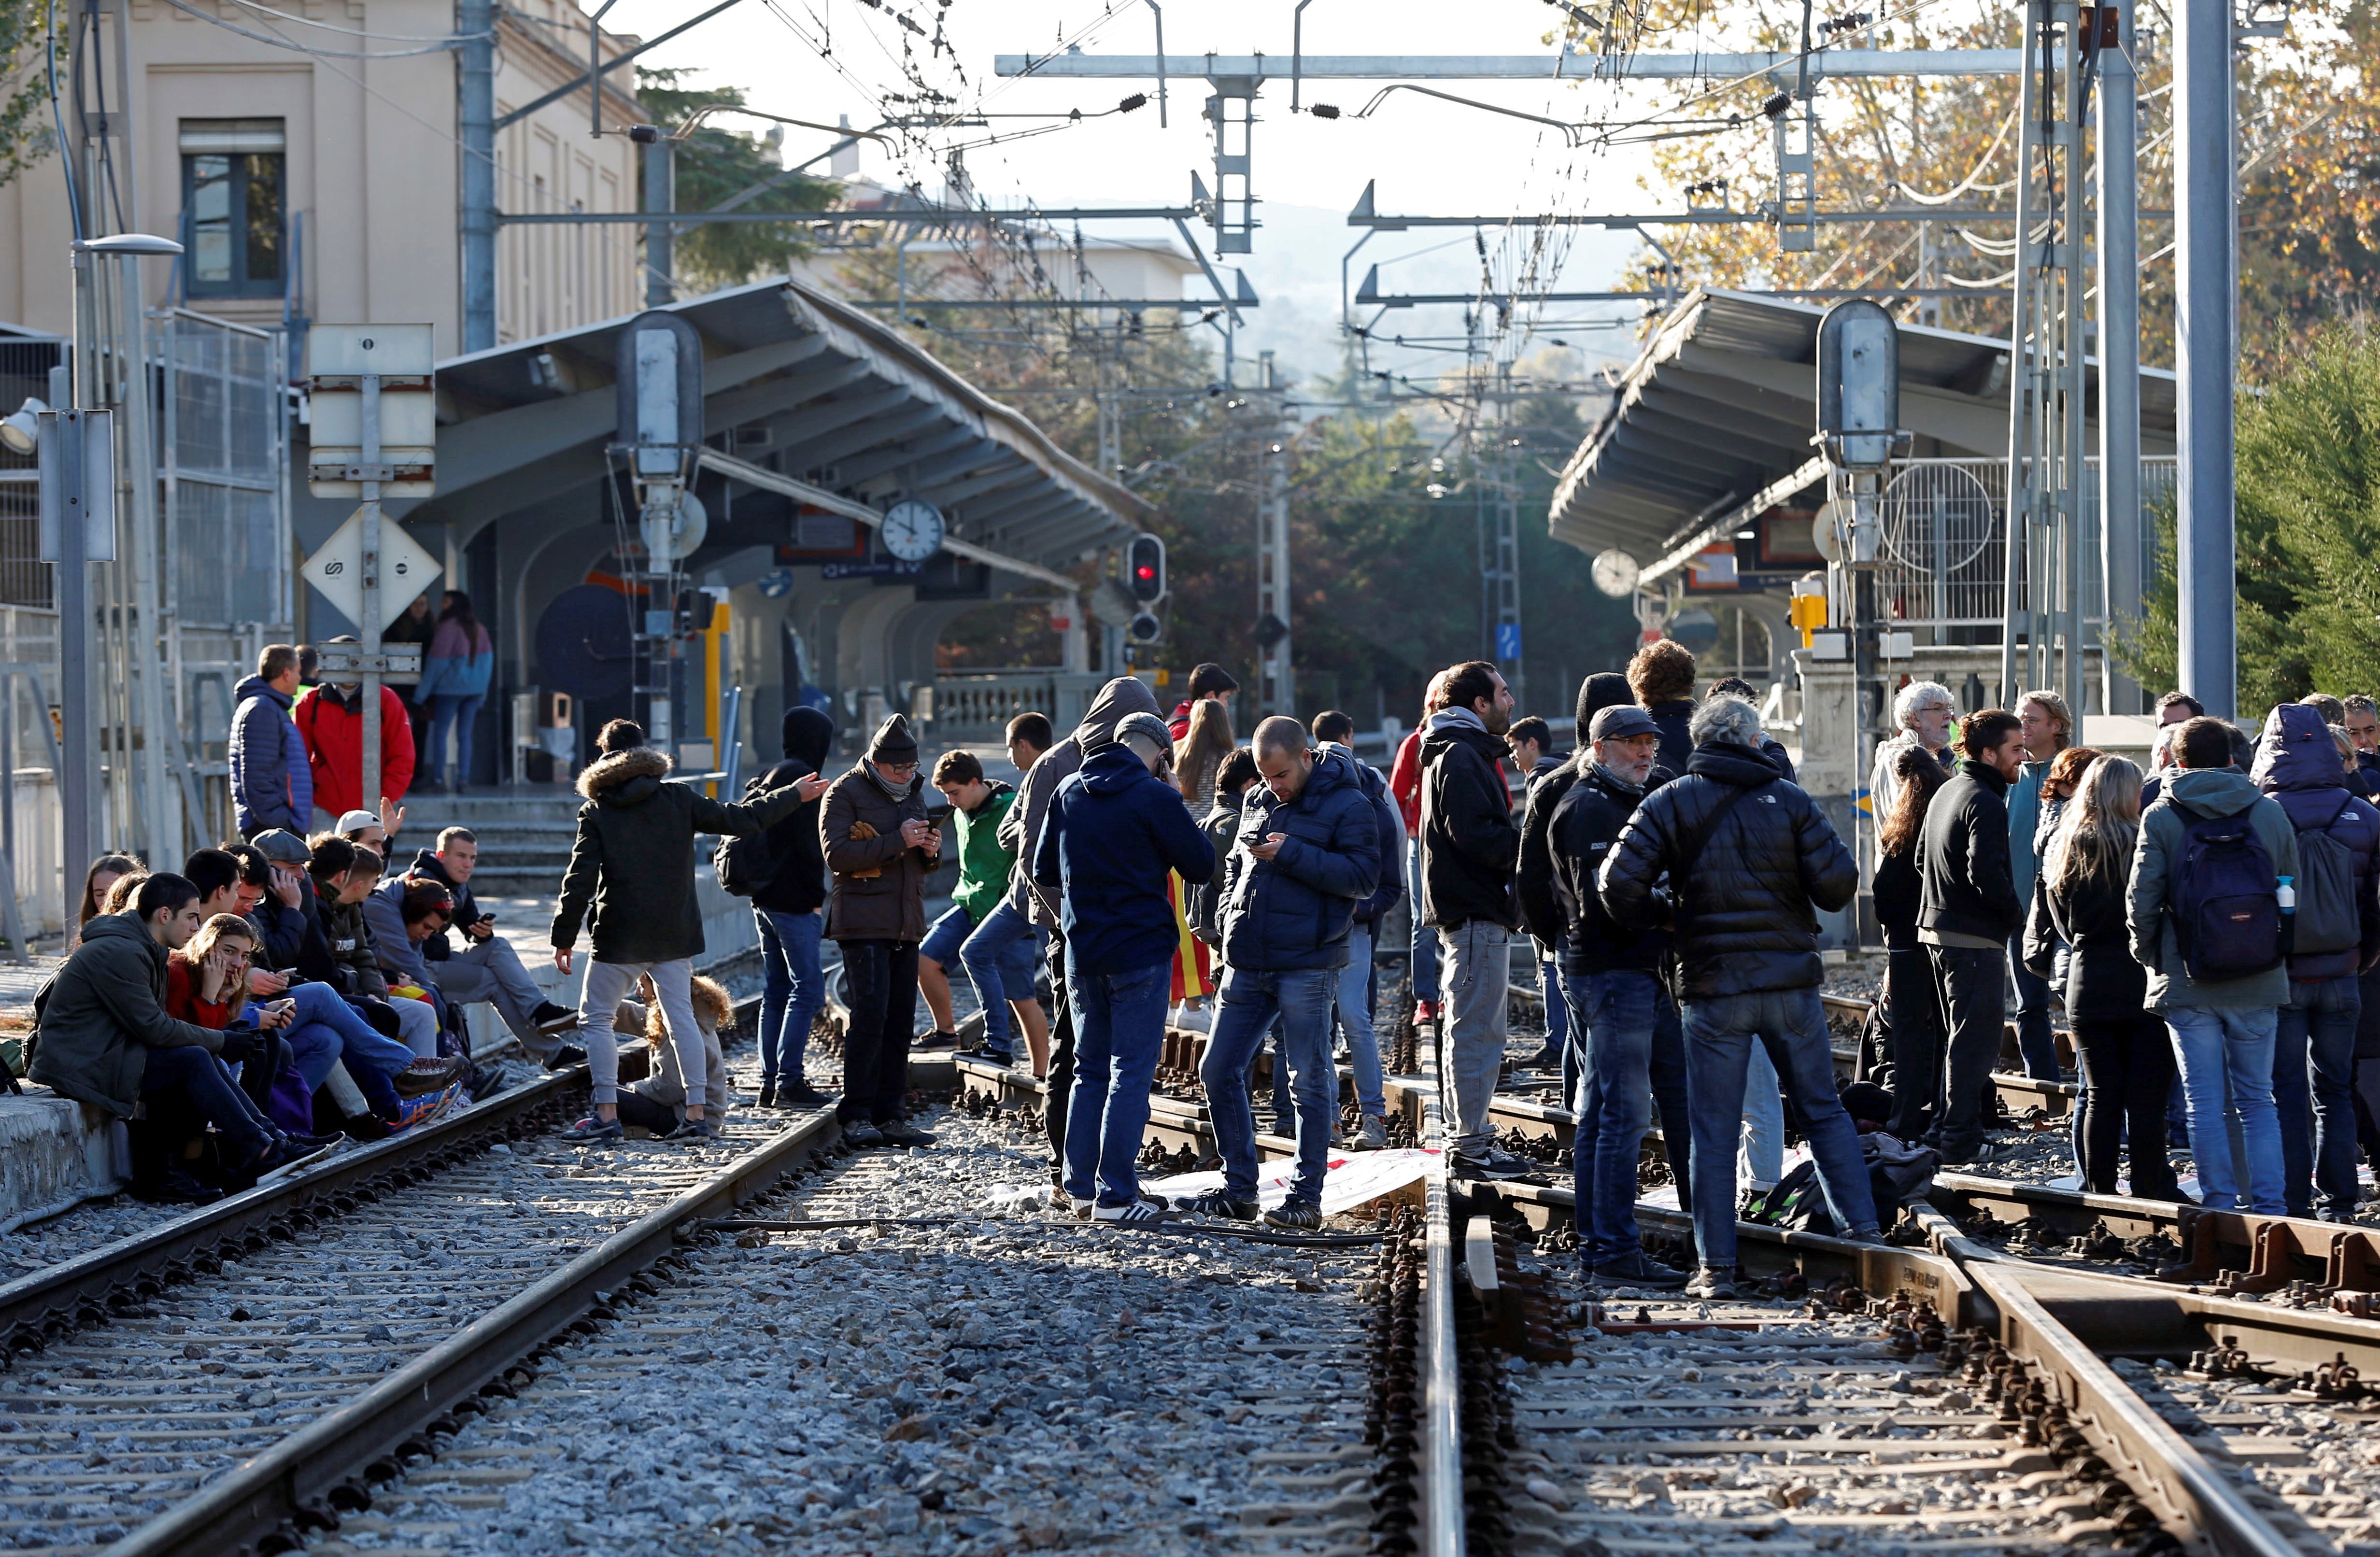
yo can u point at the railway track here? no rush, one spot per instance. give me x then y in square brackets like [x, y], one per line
[472, 1341]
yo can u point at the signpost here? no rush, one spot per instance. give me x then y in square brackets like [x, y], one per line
[375, 431]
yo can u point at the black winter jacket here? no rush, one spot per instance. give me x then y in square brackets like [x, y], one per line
[1743, 908]
[633, 860]
[1293, 911]
[1533, 893]
[1587, 822]
[1964, 872]
[1675, 716]
[1204, 909]
[2103, 981]
[101, 1013]
[1469, 843]
[1898, 895]
[798, 885]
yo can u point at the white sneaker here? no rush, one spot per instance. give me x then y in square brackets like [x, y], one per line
[1187, 1018]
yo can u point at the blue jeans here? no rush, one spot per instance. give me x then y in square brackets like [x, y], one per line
[371, 1060]
[1355, 1021]
[2313, 1070]
[1246, 1004]
[1665, 1067]
[999, 957]
[1424, 940]
[461, 714]
[1618, 1011]
[2032, 1038]
[1549, 983]
[2216, 1048]
[1792, 1026]
[212, 1093]
[793, 990]
[1119, 1028]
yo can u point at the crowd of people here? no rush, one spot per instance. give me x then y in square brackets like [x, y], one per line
[2205, 927]
[2208, 926]
[275, 995]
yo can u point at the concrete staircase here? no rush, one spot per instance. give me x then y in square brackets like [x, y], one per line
[524, 835]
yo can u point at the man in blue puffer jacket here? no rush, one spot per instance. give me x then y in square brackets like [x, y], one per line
[2299, 764]
[261, 740]
[1113, 831]
[1309, 851]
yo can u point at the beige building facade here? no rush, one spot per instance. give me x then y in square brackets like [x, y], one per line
[308, 185]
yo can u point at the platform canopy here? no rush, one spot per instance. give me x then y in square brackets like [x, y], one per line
[1713, 421]
[803, 396]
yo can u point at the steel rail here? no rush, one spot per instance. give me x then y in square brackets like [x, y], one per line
[292, 1481]
[1443, 1532]
[80, 1291]
[2173, 1479]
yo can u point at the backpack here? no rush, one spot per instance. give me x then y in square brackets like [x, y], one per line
[748, 863]
[2328, 918]
[2227, 903]
[1898, 1174]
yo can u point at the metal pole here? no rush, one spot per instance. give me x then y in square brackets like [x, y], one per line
[2070, 486]
[368, 630]
[2119, 347]
[148, 641]
[2018, 519]
[661, 194]
[475, 21]
[2205, 298]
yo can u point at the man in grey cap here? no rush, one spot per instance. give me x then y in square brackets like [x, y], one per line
[1611, 976]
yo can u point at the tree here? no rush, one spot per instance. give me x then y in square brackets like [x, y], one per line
[26, 134]
[2308, 526]
[714, 165]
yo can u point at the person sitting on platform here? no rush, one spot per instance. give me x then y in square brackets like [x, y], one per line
[102, 1036]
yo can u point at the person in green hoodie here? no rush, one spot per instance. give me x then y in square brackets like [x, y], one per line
[978, 806]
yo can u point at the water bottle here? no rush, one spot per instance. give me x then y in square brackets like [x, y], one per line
[2289, 896]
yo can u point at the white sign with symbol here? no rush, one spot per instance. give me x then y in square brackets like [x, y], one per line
[337, 569]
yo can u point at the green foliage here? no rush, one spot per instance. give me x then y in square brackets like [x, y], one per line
[716, 164]
[2308, 530]
[26, 135]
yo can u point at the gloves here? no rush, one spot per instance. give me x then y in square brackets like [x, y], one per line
[241, 1045]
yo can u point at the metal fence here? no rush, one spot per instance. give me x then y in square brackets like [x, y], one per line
[1945, 543]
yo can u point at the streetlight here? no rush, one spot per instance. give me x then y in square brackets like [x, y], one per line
[77, 780]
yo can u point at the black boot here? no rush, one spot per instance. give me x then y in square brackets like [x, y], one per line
[768, 1094]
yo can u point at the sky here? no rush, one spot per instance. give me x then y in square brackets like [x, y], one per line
[1423, 155]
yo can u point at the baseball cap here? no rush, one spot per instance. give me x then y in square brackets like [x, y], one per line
[283, 847]
[1619, 723]
[356, 821]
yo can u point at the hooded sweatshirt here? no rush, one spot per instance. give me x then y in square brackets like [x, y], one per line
[798, 886]
[2190, 793]
[1112, 832]
[2297, 764]
[633, 859]
[1020, 829]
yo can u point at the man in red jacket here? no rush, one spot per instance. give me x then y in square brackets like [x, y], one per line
[329, 718]
[1207, 680]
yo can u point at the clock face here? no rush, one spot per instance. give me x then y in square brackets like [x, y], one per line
[913, 531]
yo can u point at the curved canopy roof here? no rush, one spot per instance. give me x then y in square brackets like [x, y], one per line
[1719, 407]
[816, 393]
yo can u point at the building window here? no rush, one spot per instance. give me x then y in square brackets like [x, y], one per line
[235, 207]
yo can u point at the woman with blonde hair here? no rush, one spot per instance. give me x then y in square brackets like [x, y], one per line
[2127, 1062]
[1199, 754]
[658, 1103]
